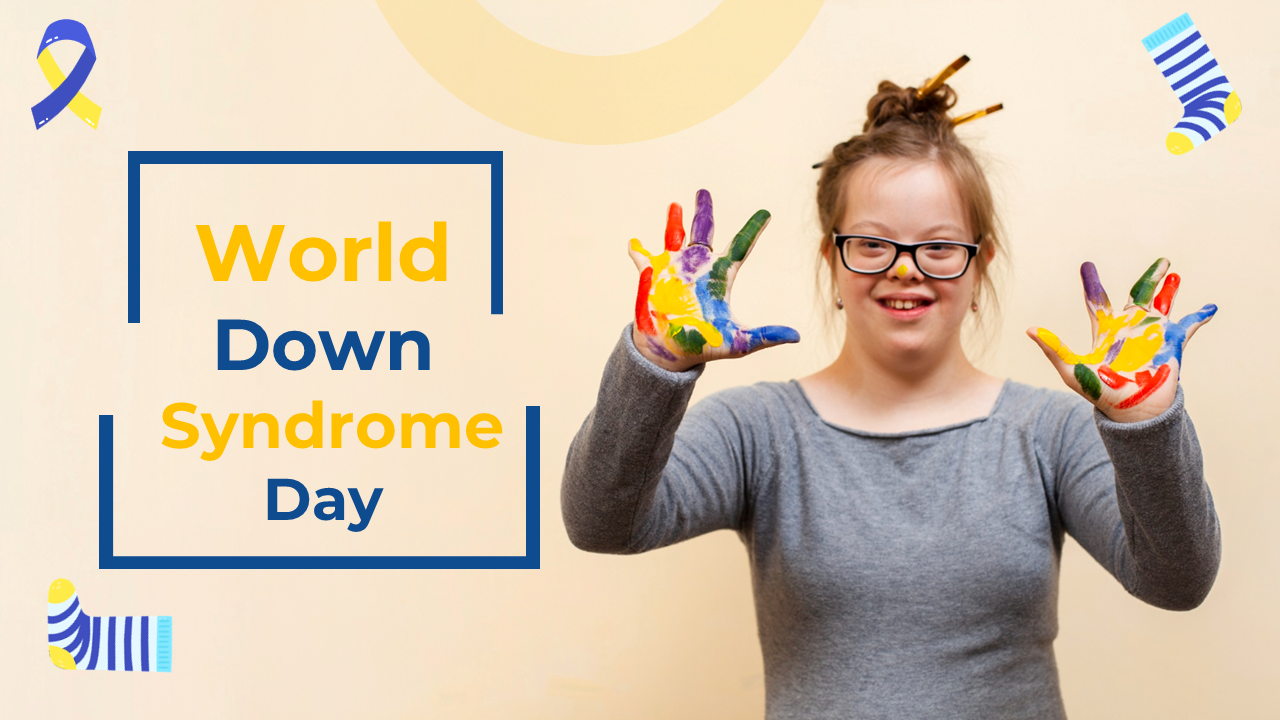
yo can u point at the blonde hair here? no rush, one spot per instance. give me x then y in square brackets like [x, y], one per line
[903, 126]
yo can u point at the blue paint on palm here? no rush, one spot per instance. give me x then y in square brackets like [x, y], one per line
[715, 310]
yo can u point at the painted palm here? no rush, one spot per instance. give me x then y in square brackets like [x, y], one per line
[1137, 352]
[682, 307]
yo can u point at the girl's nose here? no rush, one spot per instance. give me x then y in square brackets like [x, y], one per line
[904, 267]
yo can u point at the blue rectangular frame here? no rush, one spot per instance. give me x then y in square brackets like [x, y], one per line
[531, 560]
[108, 560]
[138, 158]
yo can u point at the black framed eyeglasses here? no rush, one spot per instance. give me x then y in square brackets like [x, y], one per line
[937, 259]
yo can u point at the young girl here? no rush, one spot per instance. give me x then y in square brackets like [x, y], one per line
[903, 511]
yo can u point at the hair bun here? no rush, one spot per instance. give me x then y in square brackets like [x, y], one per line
[897, 104]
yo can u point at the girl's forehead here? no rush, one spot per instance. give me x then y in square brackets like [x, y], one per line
[890, 190]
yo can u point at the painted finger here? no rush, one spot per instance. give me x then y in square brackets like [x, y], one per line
[1059, 349]
[639, 255]
[725, 266]
[1164, 298]
[1145, 289]
[1065, 370]
[704, 227]
[644, 311]
[1177, 334]
[747, 236]
[1095, 297]
[1193, 321]
[675, 227]
[766, 336]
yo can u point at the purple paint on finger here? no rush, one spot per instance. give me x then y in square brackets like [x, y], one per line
[1093, 291]
[703, 226]
[694, 255]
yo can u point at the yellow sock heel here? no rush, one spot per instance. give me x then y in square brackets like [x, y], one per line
[1231, 107]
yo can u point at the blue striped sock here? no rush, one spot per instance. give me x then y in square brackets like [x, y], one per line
[1209, 103]
[79, 641]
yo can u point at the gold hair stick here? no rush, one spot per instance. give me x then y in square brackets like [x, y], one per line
[942, 77]
[977, 114]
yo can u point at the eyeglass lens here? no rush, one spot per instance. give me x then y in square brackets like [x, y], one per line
[938, 259]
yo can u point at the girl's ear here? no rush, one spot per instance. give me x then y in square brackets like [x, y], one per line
[989, 252]
[827, 249]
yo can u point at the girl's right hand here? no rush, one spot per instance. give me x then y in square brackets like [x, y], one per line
[682, 307]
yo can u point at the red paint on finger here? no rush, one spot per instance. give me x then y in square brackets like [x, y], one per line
[1145, 392]
[1165, 299]
[675, 227]
[644, 317]
[1111, 377]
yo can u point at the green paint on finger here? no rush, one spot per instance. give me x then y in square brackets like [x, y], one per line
[1145, 288]
[689, 340]
[746, 237]
[1089, 381]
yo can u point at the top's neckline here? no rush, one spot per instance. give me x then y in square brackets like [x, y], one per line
[995, 407]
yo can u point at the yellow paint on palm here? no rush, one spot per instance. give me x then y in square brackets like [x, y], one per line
[1110, 325]
[676, 306]
[671, 297]
[707, 330]
[1139, 351]
[673, 300]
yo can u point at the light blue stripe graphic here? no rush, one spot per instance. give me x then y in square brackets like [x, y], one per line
[164, 643]
[1161, 36]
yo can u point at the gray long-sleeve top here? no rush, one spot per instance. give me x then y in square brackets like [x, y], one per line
[896, 575]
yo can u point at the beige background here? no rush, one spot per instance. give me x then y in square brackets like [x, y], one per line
[1080, 170]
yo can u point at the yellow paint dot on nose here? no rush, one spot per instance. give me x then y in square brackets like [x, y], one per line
[902, 271]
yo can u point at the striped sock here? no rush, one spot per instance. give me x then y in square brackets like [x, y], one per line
[1209, 103]
[79, 641]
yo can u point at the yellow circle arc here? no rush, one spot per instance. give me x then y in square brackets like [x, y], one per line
[600, 100]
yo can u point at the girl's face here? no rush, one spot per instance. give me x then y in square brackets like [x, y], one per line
[899, 314]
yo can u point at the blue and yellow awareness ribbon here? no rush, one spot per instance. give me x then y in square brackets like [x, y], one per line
[66, 88]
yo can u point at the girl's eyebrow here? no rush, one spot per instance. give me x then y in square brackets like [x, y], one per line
[945, 226]
[884, 229]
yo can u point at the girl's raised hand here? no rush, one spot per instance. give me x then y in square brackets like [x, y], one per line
[1132, 372]
[682, 307]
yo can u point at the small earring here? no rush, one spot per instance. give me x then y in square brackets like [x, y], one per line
[839, 303]
[975, 306]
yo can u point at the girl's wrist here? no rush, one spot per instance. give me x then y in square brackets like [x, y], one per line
[645, 346]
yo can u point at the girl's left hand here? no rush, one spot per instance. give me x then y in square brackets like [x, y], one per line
[1132, 372]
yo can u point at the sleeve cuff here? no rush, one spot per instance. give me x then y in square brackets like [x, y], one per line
[1144, 428]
